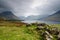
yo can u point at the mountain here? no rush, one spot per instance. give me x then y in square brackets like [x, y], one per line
[53, 17]
[35, 17]
[8, 15]
[22, 18]
[31, 17]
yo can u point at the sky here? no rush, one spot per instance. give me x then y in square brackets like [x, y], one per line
[30, 7]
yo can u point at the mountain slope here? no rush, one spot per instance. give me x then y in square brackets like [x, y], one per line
[22, 18]
[35, 17]
[53, 17]
[8, 15]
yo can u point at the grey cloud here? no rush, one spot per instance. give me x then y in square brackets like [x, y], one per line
[49, 8]
[4, 6]
[24, 7]
[19, 6]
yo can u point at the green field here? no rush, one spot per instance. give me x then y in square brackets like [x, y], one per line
[17, 33]
[10, 31]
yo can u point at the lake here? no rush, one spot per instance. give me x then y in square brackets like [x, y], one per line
[47, 22]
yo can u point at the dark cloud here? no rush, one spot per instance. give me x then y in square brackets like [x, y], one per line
[19, 7]
[4, 6]
[50, 7]
[30, 7]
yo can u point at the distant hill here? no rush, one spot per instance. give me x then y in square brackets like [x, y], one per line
[53, 17]
[35, 17]
[8, 15]
[22, 18]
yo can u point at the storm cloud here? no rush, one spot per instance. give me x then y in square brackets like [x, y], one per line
[4, 6]
[30, 7]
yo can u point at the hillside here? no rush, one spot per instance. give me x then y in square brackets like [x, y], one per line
[8, 15]
[35, 17]
[53, 17]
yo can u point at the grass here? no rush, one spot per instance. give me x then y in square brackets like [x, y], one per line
[56, 25]
[13, 32]
[16, 33]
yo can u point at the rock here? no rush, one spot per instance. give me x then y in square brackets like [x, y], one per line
[38, 29]
[48, 38]
[41, 24]
[27, 25]
[58, 39]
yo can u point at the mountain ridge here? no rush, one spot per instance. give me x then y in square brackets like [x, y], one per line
[8, 15]
[53, 17]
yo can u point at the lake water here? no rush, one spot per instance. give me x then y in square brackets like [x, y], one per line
[47, 22]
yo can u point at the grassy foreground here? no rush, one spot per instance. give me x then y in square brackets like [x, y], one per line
[10, 31]
[17, 33]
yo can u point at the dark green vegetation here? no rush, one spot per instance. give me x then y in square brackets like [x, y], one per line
[11, 30]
